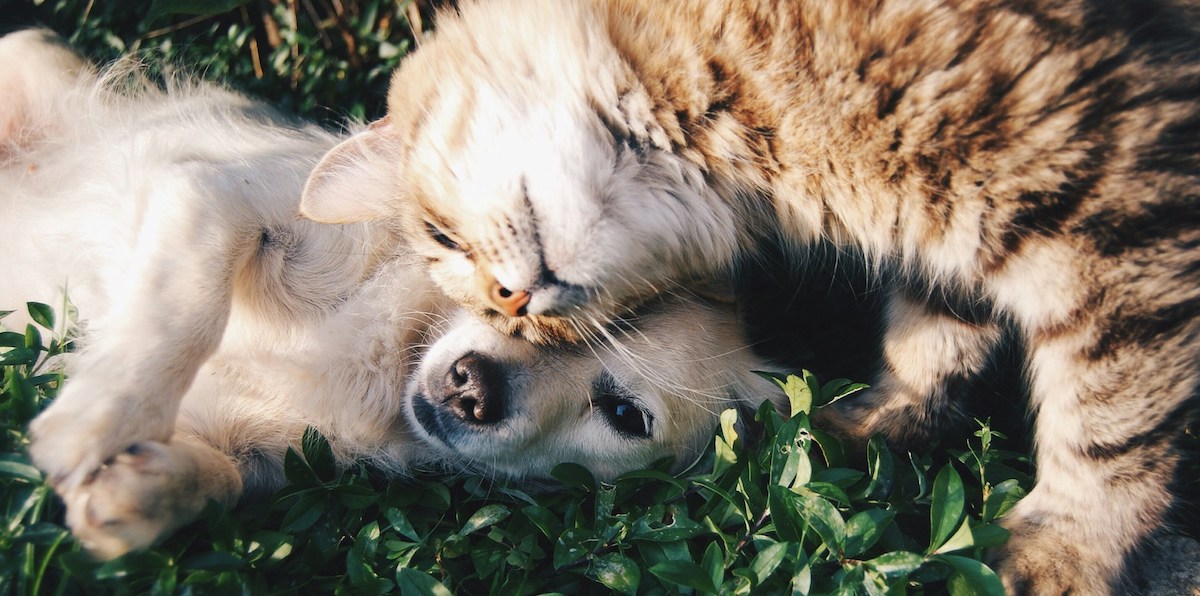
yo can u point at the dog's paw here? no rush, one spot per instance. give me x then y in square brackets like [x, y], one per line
[66, 447]
[144, 493]
[1039, 559]
[88, 423]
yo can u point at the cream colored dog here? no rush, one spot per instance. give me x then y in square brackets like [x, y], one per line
[219, 325]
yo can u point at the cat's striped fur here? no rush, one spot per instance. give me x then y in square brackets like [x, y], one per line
[1035, 161]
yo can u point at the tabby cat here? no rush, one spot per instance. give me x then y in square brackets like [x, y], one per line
[1028, 163]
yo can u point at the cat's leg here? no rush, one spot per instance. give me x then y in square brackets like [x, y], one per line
[930, 352]
[1112, 387]
[149, 490]
[168, 316]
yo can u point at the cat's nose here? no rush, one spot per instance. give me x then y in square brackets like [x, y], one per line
[510, 302]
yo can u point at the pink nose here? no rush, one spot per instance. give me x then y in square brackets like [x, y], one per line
[507, 301]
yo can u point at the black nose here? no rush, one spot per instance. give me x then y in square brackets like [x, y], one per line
[475, 392]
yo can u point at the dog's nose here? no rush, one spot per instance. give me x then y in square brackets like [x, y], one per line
[509, 302]
[476, 392]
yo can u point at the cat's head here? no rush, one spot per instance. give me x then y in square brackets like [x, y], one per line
[528, 168]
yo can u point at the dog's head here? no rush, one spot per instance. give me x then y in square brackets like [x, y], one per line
[653, 388]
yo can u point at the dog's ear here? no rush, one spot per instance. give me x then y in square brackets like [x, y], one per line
[36, 68]
[356, 180]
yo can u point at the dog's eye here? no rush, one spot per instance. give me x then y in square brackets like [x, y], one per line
[620, 410]
[440, 237]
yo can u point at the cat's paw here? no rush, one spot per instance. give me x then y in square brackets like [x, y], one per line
[144, 493]
[1038, 559]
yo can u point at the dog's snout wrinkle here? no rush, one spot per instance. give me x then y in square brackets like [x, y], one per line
[475, 392]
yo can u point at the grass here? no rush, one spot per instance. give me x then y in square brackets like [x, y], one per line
[784, 513]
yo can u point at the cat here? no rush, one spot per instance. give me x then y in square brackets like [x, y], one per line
[1031, 165]
[216, 326]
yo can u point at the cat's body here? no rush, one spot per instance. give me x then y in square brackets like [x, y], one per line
[1033, 164]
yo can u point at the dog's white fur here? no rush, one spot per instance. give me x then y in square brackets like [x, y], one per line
[219, 325]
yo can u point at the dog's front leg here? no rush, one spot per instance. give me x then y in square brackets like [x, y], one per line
[167, 318]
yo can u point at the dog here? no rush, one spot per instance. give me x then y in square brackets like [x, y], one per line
[217, 325]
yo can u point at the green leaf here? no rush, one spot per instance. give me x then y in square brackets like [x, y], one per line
[974, 536]
[831, 448]
[881, 467]
[297, 470]
[15, 466]
[684, 573]
[830, 492]
[411, 581]
[355, 496]
[486, 516]
[768, 560]
[400, 523]
[574, 475]
[714, 562]
[726, 442]
[896, 565]
[864, 528]
[18, 356]
[9, 339]
[318, 454]
[799, 392]
[1001, 499]
[823, 517]
[617, 572]
[41, 314]
[946, 508]
[488, 557]
[919, 468]
[544, 519]
[573, 545]
[33, 338]
[304, 512]
[962, 538]
[971, 577]
[843, 478]
[785, 513]
[663, 524]
[839, 388]
[794, 511]
[789, 457]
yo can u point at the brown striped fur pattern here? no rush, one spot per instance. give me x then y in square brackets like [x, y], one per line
[1034, 160]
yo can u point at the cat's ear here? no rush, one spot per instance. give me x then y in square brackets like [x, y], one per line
[356, 180]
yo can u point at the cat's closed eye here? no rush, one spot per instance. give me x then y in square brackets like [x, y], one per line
[441, 237]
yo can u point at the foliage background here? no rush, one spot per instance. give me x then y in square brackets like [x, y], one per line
[302, 55]
[789, 512]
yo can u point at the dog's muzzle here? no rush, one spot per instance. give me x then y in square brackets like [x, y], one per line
[470, 397]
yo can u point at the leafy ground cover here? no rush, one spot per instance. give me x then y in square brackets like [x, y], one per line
[782, 512]
[321, 59]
